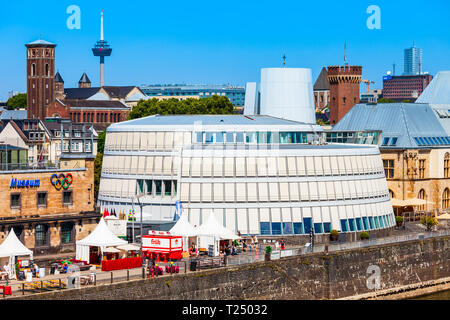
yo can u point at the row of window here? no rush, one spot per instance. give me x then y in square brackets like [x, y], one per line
[432, 141]
[41, 199]
[347, 225]
[42, 234]
[95, 117]
[252, 137]
[157, 188]
[248, 220]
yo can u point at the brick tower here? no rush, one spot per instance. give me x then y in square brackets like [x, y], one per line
[344, 90]
[40, 78]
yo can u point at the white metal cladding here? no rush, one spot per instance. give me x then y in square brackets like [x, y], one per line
[243, 186]
[287, 93]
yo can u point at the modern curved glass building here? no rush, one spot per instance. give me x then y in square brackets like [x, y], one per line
[259, 174]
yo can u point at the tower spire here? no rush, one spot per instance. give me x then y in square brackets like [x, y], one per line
[101, 28]
[102, 50]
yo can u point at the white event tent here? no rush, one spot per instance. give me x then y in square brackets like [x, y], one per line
[185, 229]
[211, 232]
[101, 237]
[12, 248]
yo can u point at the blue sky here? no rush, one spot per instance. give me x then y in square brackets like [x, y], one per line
[221, 42]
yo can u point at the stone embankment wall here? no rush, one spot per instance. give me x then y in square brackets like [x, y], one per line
[313, 276]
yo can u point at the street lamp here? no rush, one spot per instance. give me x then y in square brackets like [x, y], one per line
[140, 206]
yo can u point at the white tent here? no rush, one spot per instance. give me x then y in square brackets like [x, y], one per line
[185, 229]
[101, 237]
[12, 248]
[211, 231]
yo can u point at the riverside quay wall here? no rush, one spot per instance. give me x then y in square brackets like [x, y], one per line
[313, 276]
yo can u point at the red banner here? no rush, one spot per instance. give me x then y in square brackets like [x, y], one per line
[121, 264]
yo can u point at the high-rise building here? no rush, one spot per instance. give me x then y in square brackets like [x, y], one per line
[344, 90]
[401, 88]
[40, 78]
[413, 61]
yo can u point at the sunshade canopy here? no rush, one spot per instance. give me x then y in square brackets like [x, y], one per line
[13, 247]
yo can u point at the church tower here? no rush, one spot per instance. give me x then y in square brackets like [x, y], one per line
[40, 78]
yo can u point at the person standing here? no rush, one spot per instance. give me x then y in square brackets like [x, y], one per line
[277, 245]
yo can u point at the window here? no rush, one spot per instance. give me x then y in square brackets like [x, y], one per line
[447, 165]
[167, 187]
[344, 225]
[394, 141]
[265, 228]
[276, 228]
[41, 235]
[287, 227]
[33, 70]
[358, 224]
[422, 195]
[421, 168]
[47, 70]
[445, 199]
[307, 222]
[371, 223]
[67, 233]
[351, 222]
[364, 219]
[67, 197]
[298, 228]
[149, 185]
[42, 199]
[388, 168]
[16, 201]
[318, 228]
[158, 185]
[386, 141]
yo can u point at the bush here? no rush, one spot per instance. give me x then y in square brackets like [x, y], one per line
[428, 222]
[334, 233]
[399, 219]
[268, 249]
[364, 235]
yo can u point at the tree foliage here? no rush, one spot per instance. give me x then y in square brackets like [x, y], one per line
[384, 100]
[210, 105]
[17, 101]
[98, 162]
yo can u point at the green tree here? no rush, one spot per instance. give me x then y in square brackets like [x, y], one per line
[17, 101]
[98, 162]
[384, 100]
[210, 105]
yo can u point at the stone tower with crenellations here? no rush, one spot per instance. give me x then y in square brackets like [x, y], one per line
[344, 90]
[40, 78]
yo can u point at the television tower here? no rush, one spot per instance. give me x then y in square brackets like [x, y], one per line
[102, 50]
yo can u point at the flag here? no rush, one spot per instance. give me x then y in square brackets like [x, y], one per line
[178, 210]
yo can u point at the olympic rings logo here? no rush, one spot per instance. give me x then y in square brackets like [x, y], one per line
[61, 180]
